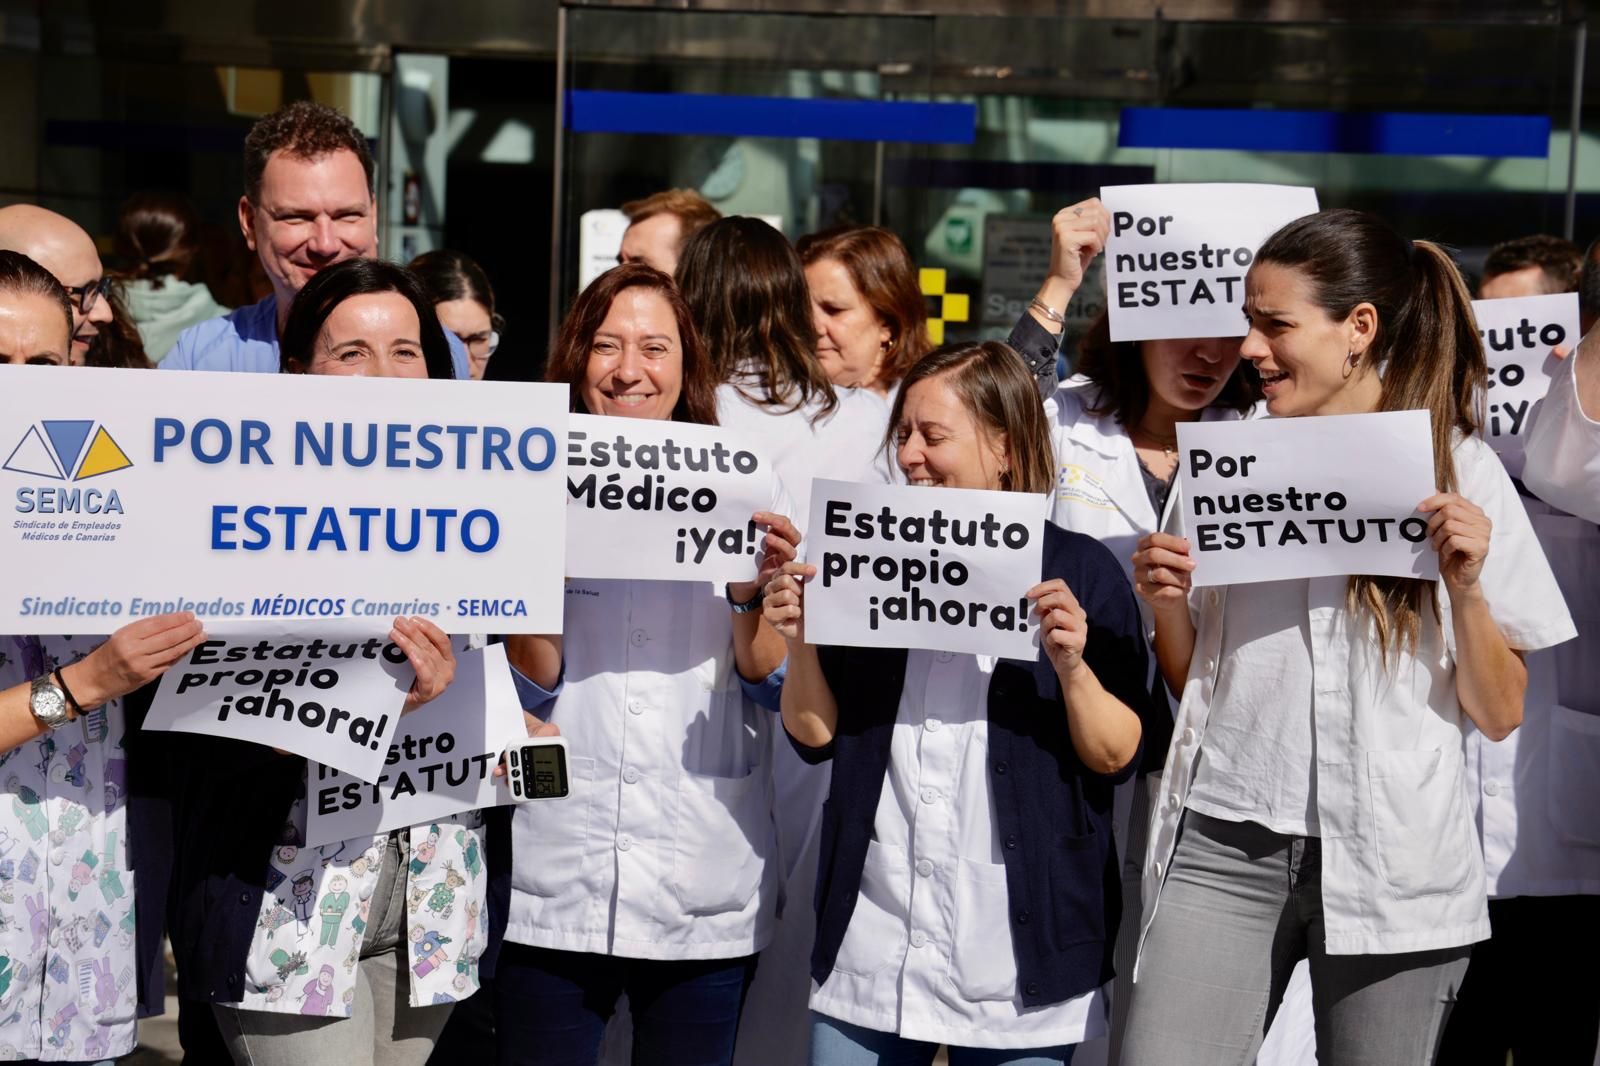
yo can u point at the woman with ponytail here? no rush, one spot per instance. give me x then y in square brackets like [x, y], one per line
[1316, 804]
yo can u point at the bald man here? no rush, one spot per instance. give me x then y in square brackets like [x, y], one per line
[61, 246]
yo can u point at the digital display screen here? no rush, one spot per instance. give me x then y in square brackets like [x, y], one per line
[544, 772]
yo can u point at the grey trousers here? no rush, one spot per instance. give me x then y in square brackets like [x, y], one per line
[383, 1027]
[1240, 907]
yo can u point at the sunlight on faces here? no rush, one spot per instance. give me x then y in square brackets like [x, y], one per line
[939, 442]
[1529, 281]
[1188, 375]
[32, 330]
[69, 254]
[653, 241]
[469, 320]
[635, 366]
[374, 335]
[313, 213]
[1300, 352]
[850, 336]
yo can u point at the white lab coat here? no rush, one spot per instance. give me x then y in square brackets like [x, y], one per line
[845, 445]
[1400, 870]
[665, 847]
[1563, 464]
[1100, 492]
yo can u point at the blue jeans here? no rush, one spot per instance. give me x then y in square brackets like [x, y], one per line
[553, 1007]
[836, 1043]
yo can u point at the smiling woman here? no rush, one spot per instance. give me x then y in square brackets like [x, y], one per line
[629, 347]
[367, 318]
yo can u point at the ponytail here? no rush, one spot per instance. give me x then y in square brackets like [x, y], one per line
[1426, 348]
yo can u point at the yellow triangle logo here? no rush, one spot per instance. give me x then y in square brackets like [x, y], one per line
[105, 455]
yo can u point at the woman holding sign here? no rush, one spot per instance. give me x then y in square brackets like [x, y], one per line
[657, 876]
[1315, 785]
[353, 951]
[75, 817]
[967, 894]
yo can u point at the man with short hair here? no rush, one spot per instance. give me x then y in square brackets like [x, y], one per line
[659, 224]
[1539, 265]
[61, 246]
[307, 204]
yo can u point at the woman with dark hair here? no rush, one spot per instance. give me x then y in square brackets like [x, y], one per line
[316, 953]
[656, 878]
[1315, 799]
[364, 317]
[970, 893]
[464, 302]
[158, 240]
[871, 317]
[746, 288]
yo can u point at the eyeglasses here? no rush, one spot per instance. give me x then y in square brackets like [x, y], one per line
[84, 296]
[483, 344]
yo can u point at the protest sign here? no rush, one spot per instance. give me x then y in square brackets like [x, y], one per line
[260, 496]
[663, 501]
[900, 566]
[1177, 254]
[1519, 334]
[1279, 498]
[330, 693]
[439, 763]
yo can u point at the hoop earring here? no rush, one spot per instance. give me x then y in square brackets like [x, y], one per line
[1350, 362]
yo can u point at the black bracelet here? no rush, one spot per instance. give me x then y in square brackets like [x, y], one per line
[67, 692]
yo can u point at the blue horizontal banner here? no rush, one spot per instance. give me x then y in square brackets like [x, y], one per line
[1372, 133]
[592, 111]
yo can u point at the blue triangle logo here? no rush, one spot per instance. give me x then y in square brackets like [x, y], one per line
[67, 436]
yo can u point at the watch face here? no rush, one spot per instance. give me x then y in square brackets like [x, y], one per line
[48, 704]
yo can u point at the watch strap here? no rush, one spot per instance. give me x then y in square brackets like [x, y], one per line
[72, 701]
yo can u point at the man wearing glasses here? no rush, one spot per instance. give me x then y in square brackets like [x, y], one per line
[62, 247]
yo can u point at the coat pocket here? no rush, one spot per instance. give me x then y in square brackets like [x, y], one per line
[550, 841]
[876, 937]
[1573, 775]
[983, 963]
[723, 841]
[1422, 822]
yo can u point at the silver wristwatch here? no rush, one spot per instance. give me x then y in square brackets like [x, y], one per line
[48, 703]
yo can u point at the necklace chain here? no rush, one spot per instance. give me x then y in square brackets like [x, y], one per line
[1168, 445]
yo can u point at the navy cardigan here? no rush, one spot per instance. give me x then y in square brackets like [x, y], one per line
[1053, 813]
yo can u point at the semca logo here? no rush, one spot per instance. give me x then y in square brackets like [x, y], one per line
[67, 450]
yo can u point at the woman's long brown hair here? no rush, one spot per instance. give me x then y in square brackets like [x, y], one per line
[1427, 349]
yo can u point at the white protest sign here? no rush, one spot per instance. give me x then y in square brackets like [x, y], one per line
[1518, 334]
[440, 762]
[332, 694]
[259, 496]
[1278, 498]
[664, 501]
[899, 566]
[1177, 254]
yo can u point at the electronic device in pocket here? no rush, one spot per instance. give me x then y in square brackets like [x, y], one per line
[536, 769]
